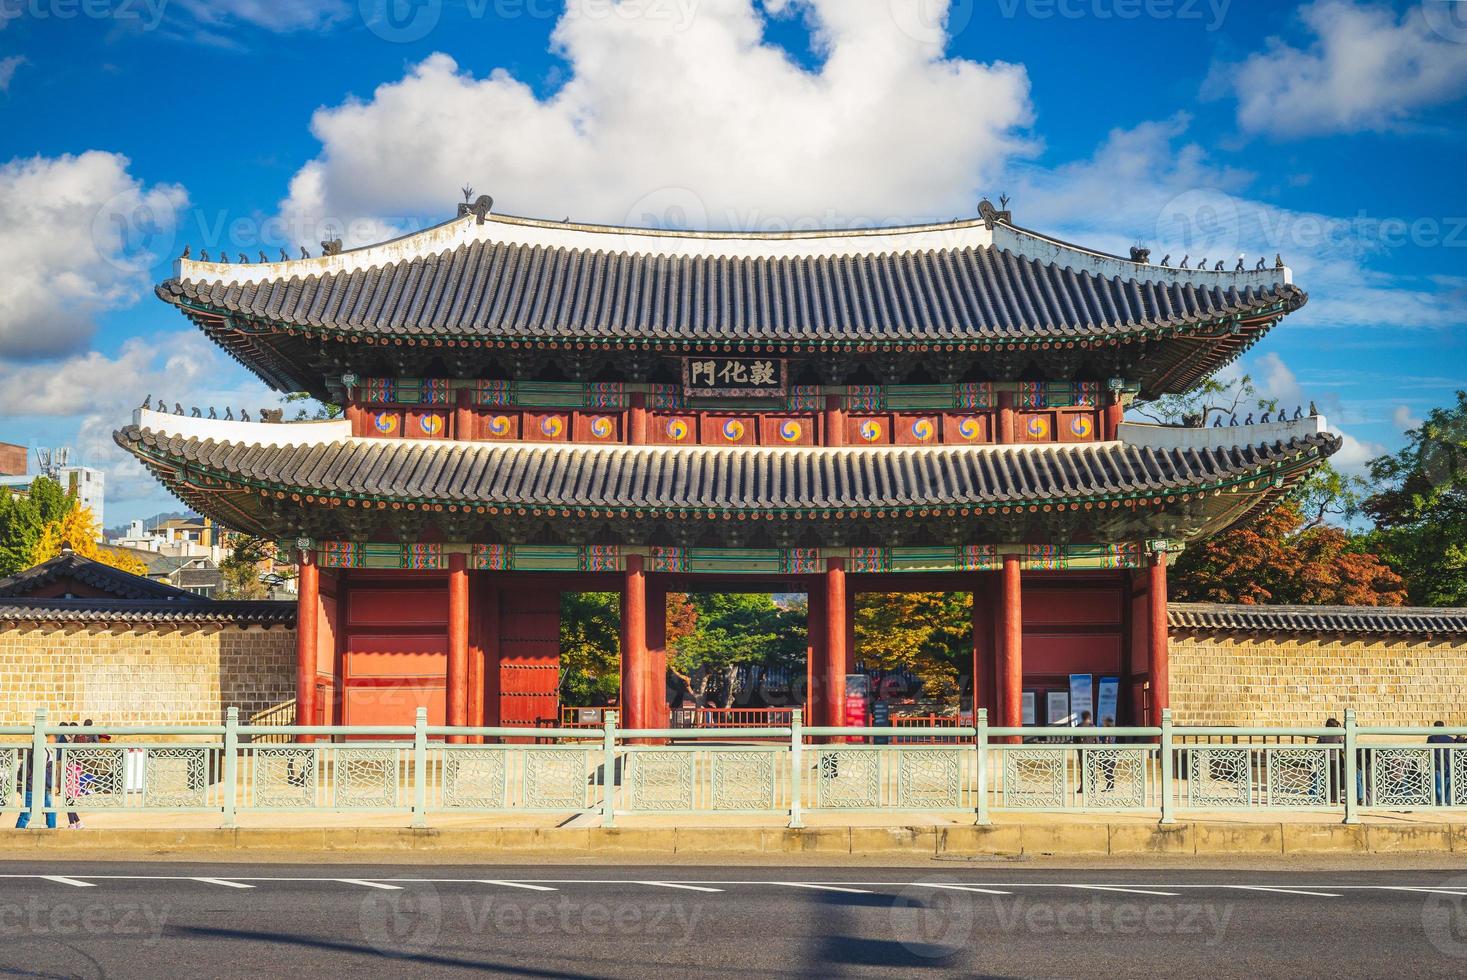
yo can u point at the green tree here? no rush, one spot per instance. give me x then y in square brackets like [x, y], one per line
[24, 519]
[929, 634]
[1419, 506]
[1208, 402]
[240, 570]
[732, 631]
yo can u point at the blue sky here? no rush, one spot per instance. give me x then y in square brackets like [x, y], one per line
[1331, 132]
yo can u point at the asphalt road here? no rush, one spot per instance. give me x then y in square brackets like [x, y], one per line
[161, 920]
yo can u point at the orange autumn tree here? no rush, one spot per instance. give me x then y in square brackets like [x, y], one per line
[1283, 557]
[77, 530]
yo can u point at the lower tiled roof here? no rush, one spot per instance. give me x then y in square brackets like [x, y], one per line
[1317, 619]
[98, 575]
[652, 478]
[146, 611]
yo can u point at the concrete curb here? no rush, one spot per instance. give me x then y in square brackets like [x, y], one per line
[1051, 839]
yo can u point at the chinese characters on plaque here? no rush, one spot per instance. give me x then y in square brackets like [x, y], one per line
[740, 377]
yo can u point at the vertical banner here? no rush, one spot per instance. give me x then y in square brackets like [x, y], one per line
[1057, 704]
[1082, 701]
[1110, 701]
[858, 690]
[1029, 715]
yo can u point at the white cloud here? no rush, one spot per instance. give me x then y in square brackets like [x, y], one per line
[78, 236]
[8, 67]
[97, 394]
[1275, 379]
[1366, 69]
[690, 120]
[1150, 185]
[273, 15]
[1403, 419]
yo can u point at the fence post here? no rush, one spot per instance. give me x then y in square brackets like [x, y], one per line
[1348, 791]
[1167, 788]
[420, 768]
[38, 767]
[608, 769]
[797, 767]
[231, 763]
[982, 719]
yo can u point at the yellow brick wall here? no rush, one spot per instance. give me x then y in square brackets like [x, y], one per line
[142, 676]
[1254, 679]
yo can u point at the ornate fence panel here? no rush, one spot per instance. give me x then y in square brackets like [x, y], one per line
[284, 777]
[1406, 777]
[93, 776]
[926, 777]
[474, 777]
[1116, 778]
[12, 771]
[176, 777]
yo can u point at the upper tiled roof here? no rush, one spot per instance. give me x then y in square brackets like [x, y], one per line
[642, 477]
[1318, 619]
[104, 578]
[199, 611]
[516, 291]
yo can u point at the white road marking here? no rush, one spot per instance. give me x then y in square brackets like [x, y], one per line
[1429, 891]
[1118, 888]
[965, 888]
[517, 884]
[818, 888]
[676, 884]
[67, 881]
[1283, 891]
[367, 884]
[225, 882]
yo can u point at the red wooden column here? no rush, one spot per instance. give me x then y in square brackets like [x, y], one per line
[1011, 646]
[458, 643]
[835, 421]
[815, 655]
[308, 606]
[463, 417]
[637, 419]
[634, 645]
[657, 714]
[1159, 667]
[356, 415]
[1005, 434]
[1115, 412]
[833, 684]
[984, 631]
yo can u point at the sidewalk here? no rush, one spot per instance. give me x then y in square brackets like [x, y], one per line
[918, 837]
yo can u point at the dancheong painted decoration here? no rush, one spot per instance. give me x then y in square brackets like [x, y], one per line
[533, 407]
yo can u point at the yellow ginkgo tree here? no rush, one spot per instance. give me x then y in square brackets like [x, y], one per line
[77, 530]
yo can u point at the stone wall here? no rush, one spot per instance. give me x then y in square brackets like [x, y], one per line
[144, 675]
[1255, 678]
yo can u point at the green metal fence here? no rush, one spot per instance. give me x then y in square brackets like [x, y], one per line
[790, 770]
